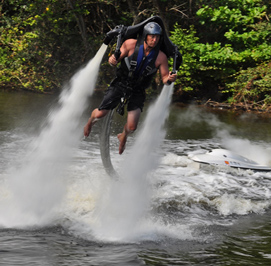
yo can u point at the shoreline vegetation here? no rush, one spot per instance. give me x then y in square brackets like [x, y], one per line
[240, 107]
[225, 46]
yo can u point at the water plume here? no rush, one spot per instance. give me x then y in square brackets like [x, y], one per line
[121, 213]
[38, 185]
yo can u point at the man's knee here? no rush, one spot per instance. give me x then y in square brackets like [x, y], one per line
[131, 128]
[97, 114]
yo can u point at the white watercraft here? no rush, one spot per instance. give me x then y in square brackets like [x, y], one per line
[227, 158]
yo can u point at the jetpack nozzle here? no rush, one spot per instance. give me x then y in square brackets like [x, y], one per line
[115, 32]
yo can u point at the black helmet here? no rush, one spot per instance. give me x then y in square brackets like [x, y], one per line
[152, 28]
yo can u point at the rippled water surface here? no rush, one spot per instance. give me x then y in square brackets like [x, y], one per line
[57, 209]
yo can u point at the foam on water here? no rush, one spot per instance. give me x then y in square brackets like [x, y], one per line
[159, 195]
[113, 211]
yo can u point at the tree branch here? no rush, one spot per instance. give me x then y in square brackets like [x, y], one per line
[80, 23]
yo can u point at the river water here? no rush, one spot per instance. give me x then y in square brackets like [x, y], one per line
[59, 207]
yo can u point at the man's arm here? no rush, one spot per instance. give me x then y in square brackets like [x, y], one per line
[126, 49]
[162, 62]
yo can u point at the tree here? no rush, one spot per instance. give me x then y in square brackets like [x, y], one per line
[231, 36]
[43, 42]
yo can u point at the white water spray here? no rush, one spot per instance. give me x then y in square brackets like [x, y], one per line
[127, 201]
[38, 185]
[225, 133]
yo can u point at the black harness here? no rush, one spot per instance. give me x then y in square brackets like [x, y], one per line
[132, 77]
[132, 62]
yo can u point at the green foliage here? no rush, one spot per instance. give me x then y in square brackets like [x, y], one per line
[233, 38]
[234, 14]
[18, 50]
[252, 85]
[187, 42]
[40, 45]
[202, 62]
[43, 42]
[242, 25]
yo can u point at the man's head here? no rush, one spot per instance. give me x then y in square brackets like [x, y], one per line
[152, 33]
[152, 28]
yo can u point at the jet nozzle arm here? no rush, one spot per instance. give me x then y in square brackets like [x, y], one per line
[177, 59]
[118, 30]
[119, 39]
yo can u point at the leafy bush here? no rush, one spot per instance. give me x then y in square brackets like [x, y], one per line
[234, 38]
[20, 57]
[186, 41]
[252, 85]
[43, 42]
[40, 46]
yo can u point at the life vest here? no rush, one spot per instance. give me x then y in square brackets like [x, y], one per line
[138, 70]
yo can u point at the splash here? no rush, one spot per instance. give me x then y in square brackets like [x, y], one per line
[246, 148]
[37, 187]
[124, 206]
[226, 135]
[230, 204]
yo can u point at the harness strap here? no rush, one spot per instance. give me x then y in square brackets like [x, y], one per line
[150, 68]
[133, 61]
[140, 65]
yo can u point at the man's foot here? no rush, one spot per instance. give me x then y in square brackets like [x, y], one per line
[87, 129]
[122, 139]
[95, 116]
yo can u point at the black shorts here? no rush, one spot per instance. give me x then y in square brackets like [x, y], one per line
[113, 96]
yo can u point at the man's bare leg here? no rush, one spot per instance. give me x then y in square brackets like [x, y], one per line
[122, 139]
[95, 116]
[130, 127]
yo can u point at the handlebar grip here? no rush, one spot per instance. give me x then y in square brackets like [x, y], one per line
[172, 72]
[117, 54]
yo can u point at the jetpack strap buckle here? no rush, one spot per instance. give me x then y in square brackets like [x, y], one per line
[133, 65]
[148, 69]
[127, 92]
[120, 109]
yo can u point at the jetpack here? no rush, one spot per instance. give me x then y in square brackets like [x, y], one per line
[136, 32]
[123, 33]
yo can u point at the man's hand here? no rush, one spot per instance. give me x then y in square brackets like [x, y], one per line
[112, 60]
[171, 77]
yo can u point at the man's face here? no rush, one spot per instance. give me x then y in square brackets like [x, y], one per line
[152, 40]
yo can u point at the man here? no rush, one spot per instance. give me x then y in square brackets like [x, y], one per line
[132, 84]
